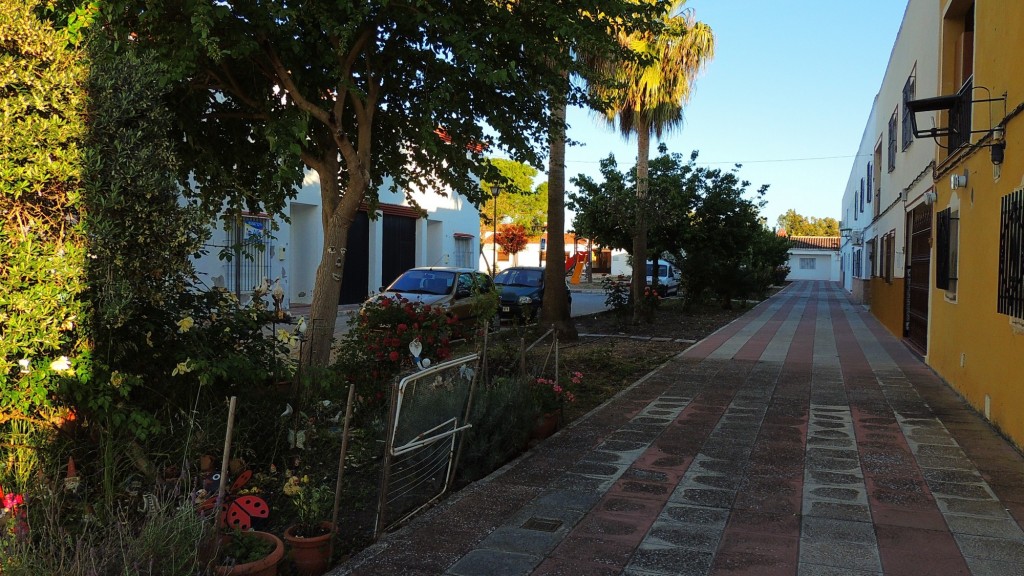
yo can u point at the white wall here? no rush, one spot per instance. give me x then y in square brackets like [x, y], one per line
[826, 265]
[298, 245]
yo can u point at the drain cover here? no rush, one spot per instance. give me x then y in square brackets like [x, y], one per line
[542, 524]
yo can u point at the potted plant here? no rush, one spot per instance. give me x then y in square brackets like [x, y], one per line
[249, 554]
[309, 539]
[550, 396]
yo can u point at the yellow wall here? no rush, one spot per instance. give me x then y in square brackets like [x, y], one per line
[887, 304]
[970, 345]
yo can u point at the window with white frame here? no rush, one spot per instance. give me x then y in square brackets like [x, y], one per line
[892, 139]
[808, 263]
[463, 252]
[909, 91]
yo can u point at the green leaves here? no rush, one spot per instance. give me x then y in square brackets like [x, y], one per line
[42, 249]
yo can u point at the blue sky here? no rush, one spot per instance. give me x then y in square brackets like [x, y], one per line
[787, 95]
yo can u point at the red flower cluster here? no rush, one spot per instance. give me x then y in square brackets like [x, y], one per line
[12, 506]
[378, 348]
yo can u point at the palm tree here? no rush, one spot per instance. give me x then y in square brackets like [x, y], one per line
[649, 97]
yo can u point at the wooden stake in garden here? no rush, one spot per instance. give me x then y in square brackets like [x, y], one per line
[224, 460]
[341, 459]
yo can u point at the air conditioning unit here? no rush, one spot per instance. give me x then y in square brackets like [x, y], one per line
[857, 237]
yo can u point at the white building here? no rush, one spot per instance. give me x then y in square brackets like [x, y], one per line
[886, 209]
[814, 258]
[379, 249]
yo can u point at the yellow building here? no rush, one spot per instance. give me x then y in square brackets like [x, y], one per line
[976, 297]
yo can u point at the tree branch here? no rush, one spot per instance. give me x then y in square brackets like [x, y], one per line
[286, 80]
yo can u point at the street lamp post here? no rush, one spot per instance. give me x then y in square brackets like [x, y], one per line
[495, 189]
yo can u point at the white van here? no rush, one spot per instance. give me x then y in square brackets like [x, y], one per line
[668, 277]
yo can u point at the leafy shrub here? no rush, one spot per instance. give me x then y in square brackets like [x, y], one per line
[616, 293]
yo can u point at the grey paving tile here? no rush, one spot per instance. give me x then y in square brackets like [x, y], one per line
[672, 561]
[995, 568]
[991, 527]
[698, 515]
[483, 562]
[839, 511]
[567, 499]
[533, 542]
[819, 530]
[983, 508]
[805, 569]
[691, 537]
[848, 555]
[996, 549]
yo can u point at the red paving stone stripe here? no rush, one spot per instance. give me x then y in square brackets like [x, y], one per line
[708, 345]
[898, 496]
[762, 537]
[621, 520]
[758, 342]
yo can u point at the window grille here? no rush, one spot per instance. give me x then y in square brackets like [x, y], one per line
[808, 263]
[909, 91]
[947, 228]
[890, 257]
[871, 256]
[857, 264]
[892, 140]
[870, 184]
[251, 248]
[862, 195]
[1011, 255]
[960, 117]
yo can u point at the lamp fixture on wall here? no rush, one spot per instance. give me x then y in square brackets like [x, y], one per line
[958, 108]
[958, 180]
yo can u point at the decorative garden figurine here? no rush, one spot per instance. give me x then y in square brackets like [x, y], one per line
[416, 348]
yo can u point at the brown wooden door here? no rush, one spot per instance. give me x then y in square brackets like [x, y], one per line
[918, 274]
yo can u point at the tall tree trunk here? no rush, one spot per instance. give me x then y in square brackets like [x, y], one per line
[555, 312]
[643, 140]
[323, 311]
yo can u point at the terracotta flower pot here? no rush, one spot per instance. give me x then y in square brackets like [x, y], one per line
[546, 425]
[266, 566]
[311, 555]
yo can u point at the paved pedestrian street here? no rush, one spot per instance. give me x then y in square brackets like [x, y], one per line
[802, 439]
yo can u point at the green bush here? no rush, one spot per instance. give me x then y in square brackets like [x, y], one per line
[43, 348]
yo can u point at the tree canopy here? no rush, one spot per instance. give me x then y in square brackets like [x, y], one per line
[796, 224]
[518, 199]
[648, 99]
[705, 218]
[414, 90]
[605, 210]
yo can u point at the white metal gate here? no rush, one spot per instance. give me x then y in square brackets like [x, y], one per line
[428, 410]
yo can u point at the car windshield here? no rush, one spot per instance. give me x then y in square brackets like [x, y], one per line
[423, 282]
[531, 278]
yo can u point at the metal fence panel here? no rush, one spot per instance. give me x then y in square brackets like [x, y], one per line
[428, 410]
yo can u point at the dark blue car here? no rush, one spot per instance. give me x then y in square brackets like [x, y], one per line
[521, 291]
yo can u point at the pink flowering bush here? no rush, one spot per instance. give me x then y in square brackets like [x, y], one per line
[376, 348]
[13, 517]
[551, 395]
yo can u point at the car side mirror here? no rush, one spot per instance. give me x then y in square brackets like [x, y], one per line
[462, 292]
